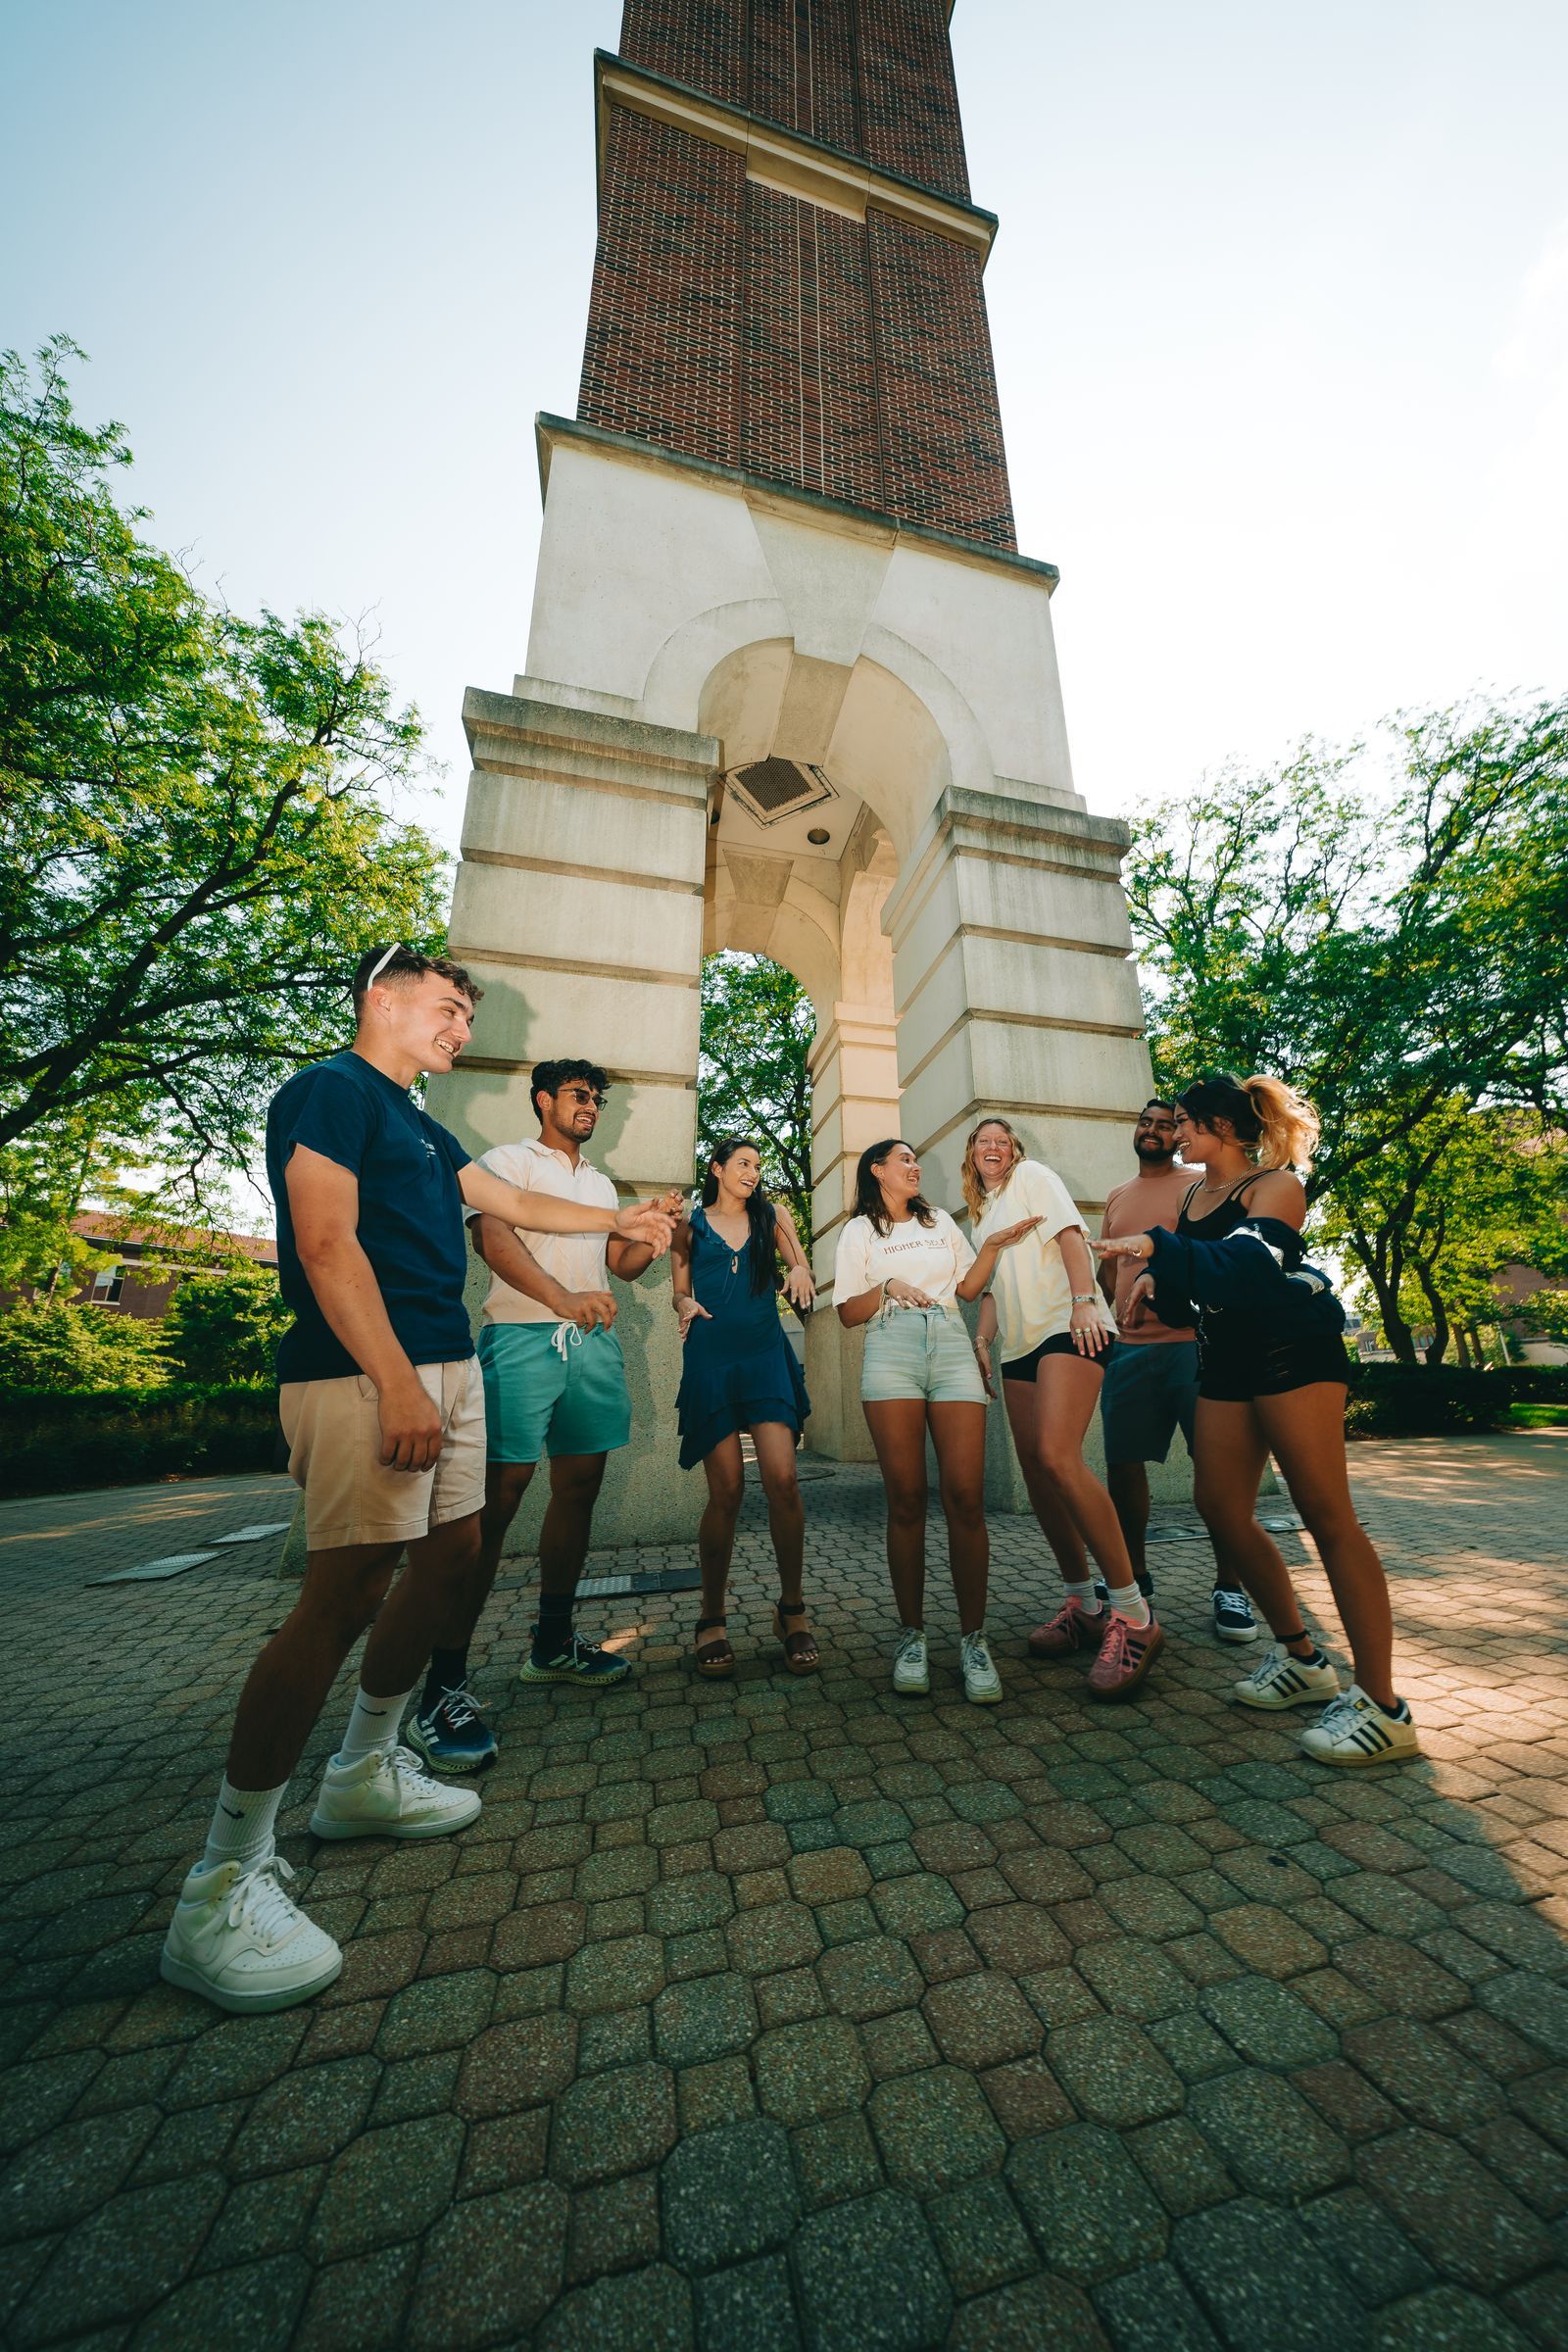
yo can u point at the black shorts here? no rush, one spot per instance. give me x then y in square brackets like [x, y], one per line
[1258, 1366]
[1060, 1342]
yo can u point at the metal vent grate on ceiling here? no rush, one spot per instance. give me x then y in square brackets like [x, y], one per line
[770, 790]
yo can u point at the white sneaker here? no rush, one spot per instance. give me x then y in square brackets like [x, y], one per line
[1355, 1730]
[239, 1939]
[911, 1664]
[981, 1680]
[388, 1795]
[1280, 1680]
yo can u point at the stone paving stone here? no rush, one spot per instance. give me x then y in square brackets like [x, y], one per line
[1180, 2165]
[1026, 2098]
[1523, 2160]
[125, 2258]
[444, 2013]
[748, 2309]
[1425, 2180]
[1445, 2319]
[709, 2017]
[1358, 2237]
[386, 2188]
[1268, 2024]
[915, 1903]
[1346, 2099]
[490, 2269]
[809, 2071]
[843, 2260]
[1021, 1938]
[980, 2237]
[1540, 2308]
[778, 1936]
[1151, 2310]
[701, 1898]
[870, 1978]
[263, 2217]
[834, 2160]
[355, 2305]
[640, 2311]
[1268, 2135]
[516, 2065]
[1092, 2213]
[1020, 2318]
[610, 2123]
[255, 2304]
[306, 2117]
[624, 2037]
[1113, 2071]
[614, 1975]
[1424, 2074]
[1532, 2005]
[1260, 2281]
[898, 2044]
[935, 2128]
[728, 2195]
[980, 2020]
[70, 2171]
[1134, 1979]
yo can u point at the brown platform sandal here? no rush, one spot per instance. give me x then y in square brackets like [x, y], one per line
[798, 1642]
[717, 1657]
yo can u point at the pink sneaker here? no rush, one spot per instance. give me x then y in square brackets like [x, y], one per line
[1126, 1654]
[1073, 1628]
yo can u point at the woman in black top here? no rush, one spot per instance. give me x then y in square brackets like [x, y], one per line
[1272, 1378]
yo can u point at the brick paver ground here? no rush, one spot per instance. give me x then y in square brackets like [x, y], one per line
[781, 2012]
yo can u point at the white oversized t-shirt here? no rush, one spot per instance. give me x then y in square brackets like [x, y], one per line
[1032, 1286]
[578, 1262]
[933, 1258]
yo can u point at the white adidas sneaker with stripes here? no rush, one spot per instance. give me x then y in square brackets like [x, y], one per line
[1355, 1730]
[1280, 1680]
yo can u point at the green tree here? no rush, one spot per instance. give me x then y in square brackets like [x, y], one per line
[1396, 945]
[752, 1076]
[48, 1344]
[195, 847]
[224, 1325]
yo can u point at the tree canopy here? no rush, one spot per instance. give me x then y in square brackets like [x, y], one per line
[196, 843]
[1394, 942]
[758, 1024]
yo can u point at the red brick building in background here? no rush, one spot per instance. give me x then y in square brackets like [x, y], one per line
[148, 1264]
[788, 277]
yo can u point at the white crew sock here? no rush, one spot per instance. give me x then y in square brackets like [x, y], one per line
[1086, 1597]
[1129, 1602]
[375, 1723]
[243, 1824]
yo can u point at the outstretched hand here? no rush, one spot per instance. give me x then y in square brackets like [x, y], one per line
[651, 1222]
[1136, 1245]
[1010, 1234]
[687, 1312]
[799, 1287]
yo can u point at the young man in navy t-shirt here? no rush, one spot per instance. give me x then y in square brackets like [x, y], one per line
[383, 1410]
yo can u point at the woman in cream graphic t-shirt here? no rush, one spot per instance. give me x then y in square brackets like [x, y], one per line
[901, 1266]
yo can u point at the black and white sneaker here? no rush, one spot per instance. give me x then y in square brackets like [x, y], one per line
[1355, 1730]
[1280, 1680]
[1233, 1615]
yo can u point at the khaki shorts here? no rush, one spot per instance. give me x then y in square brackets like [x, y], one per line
[333, 1429]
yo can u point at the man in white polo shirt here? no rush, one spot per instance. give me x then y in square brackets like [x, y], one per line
[554, 1383]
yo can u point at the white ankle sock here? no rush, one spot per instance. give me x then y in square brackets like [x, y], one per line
[375, 1723]
[243, 1823]
[1129, 1602]
[1084, 1596]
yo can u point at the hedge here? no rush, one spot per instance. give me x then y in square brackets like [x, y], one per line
[52, 1440]
[1437, 1401]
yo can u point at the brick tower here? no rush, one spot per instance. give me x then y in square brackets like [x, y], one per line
[791, 687]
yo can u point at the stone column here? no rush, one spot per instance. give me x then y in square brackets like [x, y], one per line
[579, 907]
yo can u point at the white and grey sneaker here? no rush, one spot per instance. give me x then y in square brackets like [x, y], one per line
[388, 1794]
[911, 1663]
[1233, 1615]
[1355, 1730]
[239, 1939]
[981, 1680]
[1280, 1680]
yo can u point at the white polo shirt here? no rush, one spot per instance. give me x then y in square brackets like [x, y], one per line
[578, 1262]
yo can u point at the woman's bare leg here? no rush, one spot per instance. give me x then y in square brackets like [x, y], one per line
[1229, 1451]
[1305, 1428]
[898, 1431]
[1050, 1416]
[726, 1472]
[959, 1433]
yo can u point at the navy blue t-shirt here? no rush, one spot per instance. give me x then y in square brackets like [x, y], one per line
[411, 1214]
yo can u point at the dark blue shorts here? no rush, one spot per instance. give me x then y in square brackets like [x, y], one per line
[1150, 1393]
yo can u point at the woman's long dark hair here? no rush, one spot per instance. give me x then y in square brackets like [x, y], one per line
[868, 1200]
[760, 1211]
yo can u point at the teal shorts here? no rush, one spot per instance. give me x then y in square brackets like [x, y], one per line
[919, 1351]
[549, 1387]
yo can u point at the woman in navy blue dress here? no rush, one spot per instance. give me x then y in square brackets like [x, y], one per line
[739, 1372]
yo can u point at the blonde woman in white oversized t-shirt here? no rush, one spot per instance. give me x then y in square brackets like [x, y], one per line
[1047, 1310]
[901, 1268]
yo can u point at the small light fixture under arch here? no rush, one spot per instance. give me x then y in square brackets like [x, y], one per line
[818, 836]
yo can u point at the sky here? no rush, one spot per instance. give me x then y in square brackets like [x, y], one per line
[1280, 304]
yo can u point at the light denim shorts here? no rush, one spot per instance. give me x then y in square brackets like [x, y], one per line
[921, 1352]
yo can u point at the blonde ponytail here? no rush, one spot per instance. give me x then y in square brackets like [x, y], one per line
[1288, 1124]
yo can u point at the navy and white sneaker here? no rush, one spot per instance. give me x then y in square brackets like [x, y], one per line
[581, 1661]
[454, 1736]
[1355, 1730]
[1233, 1615]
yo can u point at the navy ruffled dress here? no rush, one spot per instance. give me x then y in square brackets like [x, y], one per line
[738, 1368]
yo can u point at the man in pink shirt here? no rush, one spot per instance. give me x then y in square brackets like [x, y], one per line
[1150, 1384]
